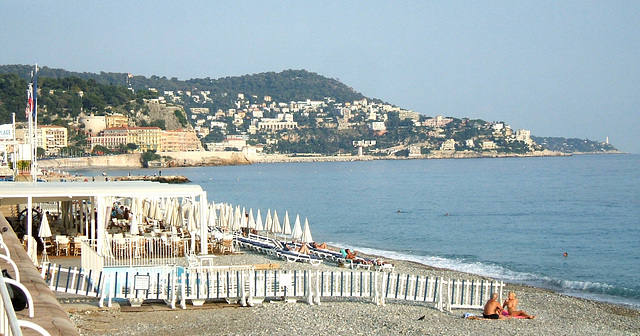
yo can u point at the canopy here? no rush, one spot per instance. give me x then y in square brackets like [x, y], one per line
[297, 229]
[306, 233]
[45, 229]
[259, 226]
[286, 229]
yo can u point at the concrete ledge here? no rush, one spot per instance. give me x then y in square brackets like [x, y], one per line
[48, 312]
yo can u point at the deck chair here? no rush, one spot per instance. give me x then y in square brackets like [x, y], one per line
[62, 245]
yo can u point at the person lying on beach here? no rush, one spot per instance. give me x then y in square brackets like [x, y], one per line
[353, 255]
[303, 249]
[512, 307]
[492, 309]
[319, 246]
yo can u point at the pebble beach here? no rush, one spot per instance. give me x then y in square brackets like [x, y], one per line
[557, 314]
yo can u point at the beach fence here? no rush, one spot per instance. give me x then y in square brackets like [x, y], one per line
[177, 285]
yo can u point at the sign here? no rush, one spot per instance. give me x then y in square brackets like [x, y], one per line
[6, 132]
[141, 282]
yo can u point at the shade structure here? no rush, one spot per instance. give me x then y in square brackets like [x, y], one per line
[276, 228]
[133, 225]
[252, 221]
[306, 233]
[259, 226]
[212, 217]
[296, 233]
[268, 221]
[244, 222]
[286, 225]
[45, 229]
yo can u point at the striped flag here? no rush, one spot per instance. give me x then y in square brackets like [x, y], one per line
[35, 93]
[30, 104]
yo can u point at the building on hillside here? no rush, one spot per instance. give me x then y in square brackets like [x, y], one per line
[377, 126]
[117, 120]
[146, 138]
[93, 124]
[405, 114]
[448, 145]
[524, 136]
[438, 121]
[488, 144]
[180, 141]
[275, 124]
[49, 138]
[414, 151]
[199, 110]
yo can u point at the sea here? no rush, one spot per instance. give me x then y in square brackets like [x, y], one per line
[511, 219]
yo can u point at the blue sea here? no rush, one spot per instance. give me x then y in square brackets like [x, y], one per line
[506, 218]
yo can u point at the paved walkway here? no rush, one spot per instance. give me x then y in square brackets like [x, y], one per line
[49, 314]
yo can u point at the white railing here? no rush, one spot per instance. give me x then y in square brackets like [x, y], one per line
[137, 285]
[412, 288]
[8, 319]
[72, 280]
[471, 294]
[9, 323]
[134, 251]
[91, 260]
[246, 285]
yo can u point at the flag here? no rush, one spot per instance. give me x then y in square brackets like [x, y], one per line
[29, 108]
[35, 94]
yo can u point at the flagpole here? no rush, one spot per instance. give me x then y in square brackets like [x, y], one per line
[34, 153]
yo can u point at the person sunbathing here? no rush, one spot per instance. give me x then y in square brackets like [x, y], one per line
[492, 309]
[303, 249]
[354, 256]
[351, 255]
[319, 246]
[512, 307]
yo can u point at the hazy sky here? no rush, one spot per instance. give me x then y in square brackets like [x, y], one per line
[558, 68]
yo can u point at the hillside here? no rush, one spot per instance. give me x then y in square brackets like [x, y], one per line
[289, 112]
[285, 86]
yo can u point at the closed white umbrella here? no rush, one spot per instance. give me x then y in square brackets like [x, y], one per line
[243, 219]
[306, 233]
[252, 221]
[297, 229]
[133, 226]
[277, 228]
[259, 226]
[268, 221]
[211, 218]
[44, 232]
[45, 229]
[286, 226]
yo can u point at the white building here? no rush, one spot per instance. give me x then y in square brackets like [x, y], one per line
[448, 145]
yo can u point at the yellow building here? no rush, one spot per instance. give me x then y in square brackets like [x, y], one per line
[146, 138]
[49, 138]
[117, 120]
[180, 141]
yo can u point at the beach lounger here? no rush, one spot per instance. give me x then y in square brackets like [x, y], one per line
[294, 256]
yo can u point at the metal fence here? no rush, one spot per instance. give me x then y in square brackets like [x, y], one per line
[247, 286]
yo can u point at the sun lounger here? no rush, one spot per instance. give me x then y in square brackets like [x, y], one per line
[293, 256]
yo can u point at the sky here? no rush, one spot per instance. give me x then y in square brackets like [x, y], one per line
[558, 68]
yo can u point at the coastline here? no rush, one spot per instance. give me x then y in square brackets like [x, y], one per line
[557, 314]
[200, 159]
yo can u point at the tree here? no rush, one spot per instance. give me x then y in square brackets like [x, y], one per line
[131, 147]
[100, 150]
[149, 155]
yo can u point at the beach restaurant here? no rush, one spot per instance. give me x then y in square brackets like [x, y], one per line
[98, 200]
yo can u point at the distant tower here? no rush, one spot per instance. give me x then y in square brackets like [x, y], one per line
[606, 140]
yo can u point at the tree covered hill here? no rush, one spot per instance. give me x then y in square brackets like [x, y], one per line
[573, 145]
[330, 127]
[285, 86]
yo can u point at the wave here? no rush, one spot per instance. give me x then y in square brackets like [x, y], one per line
[596, 291]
